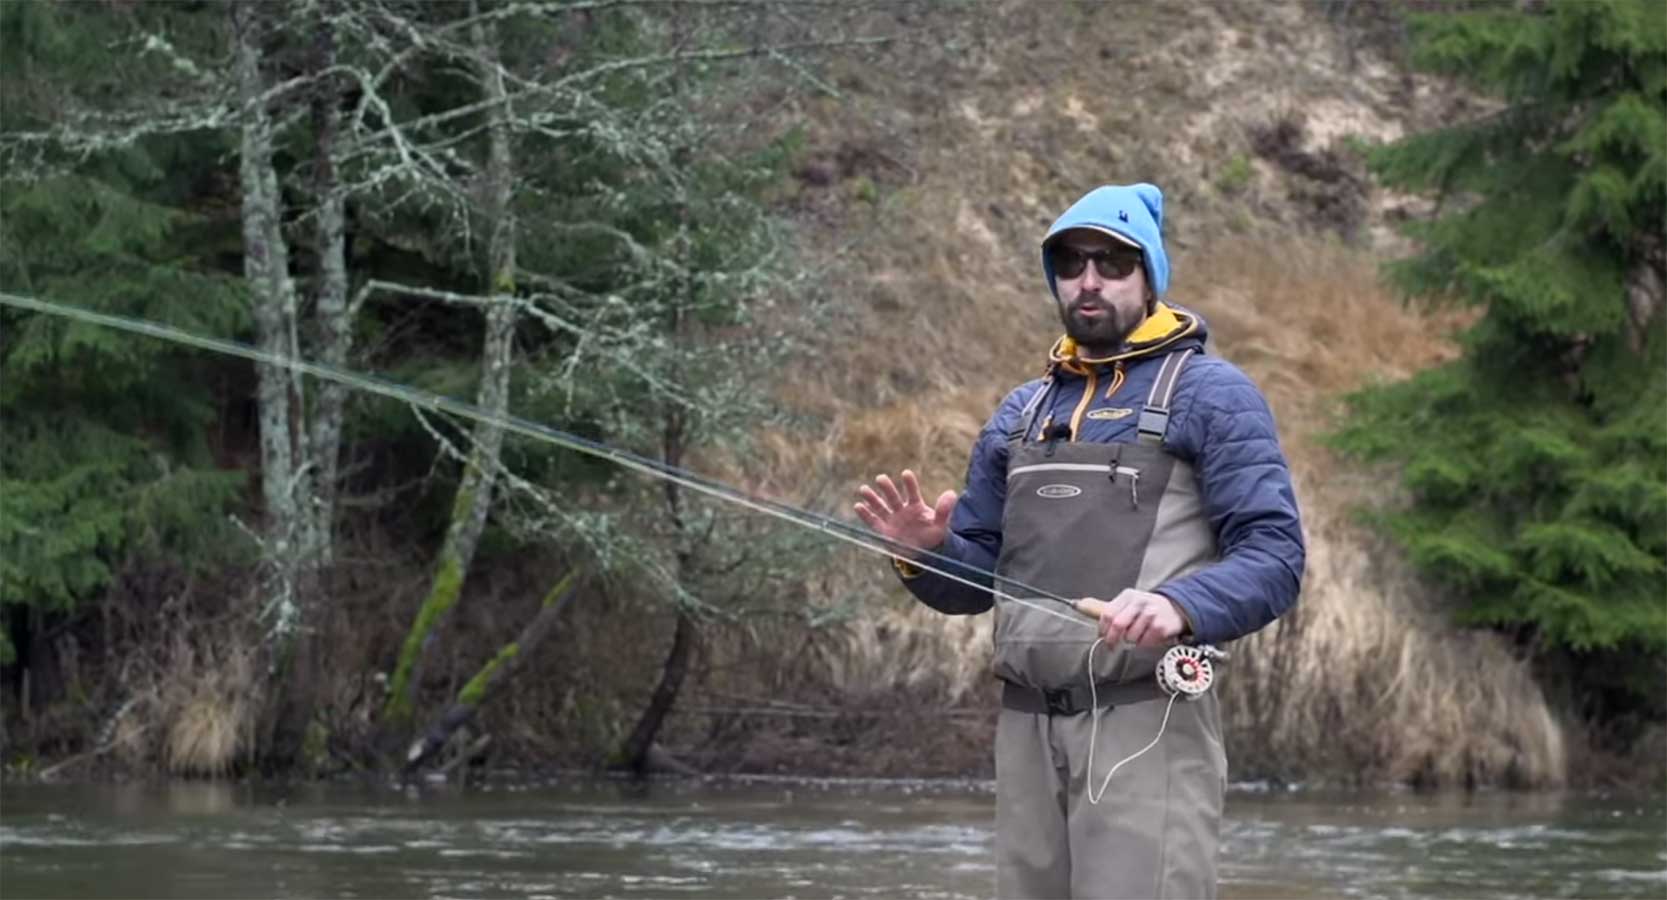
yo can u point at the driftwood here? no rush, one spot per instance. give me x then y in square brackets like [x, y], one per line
[505, 665]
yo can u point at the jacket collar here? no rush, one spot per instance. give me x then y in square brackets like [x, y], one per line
[1161, 330]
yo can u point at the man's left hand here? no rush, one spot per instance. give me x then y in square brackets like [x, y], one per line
[1142, 618]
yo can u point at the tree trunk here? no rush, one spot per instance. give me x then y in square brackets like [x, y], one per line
[288, 569]
[266, 266]
[637, 752]
[334, 331]
[474, 493]
[1646, 289]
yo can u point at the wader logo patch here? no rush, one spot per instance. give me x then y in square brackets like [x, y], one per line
[1110, 413]
[1058, 491]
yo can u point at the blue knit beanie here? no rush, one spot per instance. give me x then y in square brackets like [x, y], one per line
[1131, 213]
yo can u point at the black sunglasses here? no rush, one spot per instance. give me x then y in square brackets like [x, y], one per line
[1113, 264]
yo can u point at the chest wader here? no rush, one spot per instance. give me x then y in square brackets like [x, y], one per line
[1089, 520]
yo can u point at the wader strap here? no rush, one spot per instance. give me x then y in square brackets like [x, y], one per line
[1027, 417]
[1154, 419]
[1078, 699]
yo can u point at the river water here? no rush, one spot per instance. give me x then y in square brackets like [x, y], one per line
[774, 838]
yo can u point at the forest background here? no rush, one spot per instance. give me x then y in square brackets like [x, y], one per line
[789, 245]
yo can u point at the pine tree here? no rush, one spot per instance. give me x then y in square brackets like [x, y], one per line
[104, 451]
[1536, 464]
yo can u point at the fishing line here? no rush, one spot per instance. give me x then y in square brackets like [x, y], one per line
[926, 560]
[1094, 732]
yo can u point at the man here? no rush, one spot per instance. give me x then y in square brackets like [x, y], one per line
[1140, 469]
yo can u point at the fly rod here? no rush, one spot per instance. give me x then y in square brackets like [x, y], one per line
[925, 560]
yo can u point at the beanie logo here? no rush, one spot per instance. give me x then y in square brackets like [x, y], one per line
[1122, 215]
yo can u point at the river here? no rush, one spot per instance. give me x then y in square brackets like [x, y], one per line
[774, 838]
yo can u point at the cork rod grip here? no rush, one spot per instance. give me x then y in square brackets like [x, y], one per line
[1090, 607]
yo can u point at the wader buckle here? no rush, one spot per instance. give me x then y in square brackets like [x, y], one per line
[1060, 702]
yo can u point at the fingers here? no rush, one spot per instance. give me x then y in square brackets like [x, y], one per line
[1137, 617]
[1141, 618]
[911, 488]
[1109, 630]
[875, 503]
[945, 506]
[1156, 636]
[868, 517]
[1114, 620]
[1140, 626]
[889, 491]
[1167, 623]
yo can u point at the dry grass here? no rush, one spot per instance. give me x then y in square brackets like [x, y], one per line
[1310, 320]
[208, 703]
[1363, 682]
[1367, 677]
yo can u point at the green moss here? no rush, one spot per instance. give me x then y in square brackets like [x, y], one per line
[476, 688]
[448, 584]
[560, 590]
[315, 747]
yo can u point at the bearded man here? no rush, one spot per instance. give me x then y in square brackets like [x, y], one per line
[1141, 469]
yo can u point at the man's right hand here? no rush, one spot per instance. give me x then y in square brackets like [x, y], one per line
[902, 516]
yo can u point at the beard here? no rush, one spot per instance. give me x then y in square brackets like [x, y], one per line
[1098, 335]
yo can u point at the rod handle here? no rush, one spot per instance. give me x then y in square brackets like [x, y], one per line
[1090, 607]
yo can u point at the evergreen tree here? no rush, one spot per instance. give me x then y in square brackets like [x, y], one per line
[1537, 462]
[105, 450]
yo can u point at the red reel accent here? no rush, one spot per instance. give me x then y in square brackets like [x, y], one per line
[1185, 671]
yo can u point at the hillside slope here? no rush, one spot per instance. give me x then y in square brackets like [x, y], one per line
[927, 183]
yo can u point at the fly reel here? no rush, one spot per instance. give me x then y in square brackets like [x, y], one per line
[1188, 672]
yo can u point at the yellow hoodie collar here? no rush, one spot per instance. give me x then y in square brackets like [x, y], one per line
[1163, 327]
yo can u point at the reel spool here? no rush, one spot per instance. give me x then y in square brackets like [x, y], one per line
[1187, 672]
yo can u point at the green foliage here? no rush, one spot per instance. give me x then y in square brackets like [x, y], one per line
[1235, 175]
[105, 454]
[1537, 464]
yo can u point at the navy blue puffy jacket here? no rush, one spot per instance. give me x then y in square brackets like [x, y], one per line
[1220, 424]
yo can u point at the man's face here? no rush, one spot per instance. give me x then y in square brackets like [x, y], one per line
[1102, 289]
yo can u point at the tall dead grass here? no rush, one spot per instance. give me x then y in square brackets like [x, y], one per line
[1367, 676]
[207, 702]
[1365, 681]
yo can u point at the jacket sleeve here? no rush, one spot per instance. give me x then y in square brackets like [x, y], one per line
[1251, 505]
[973, 544]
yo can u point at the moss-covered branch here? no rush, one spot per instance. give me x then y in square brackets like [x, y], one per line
[504, 664]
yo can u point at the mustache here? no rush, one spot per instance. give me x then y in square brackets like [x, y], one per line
[1090, 301]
